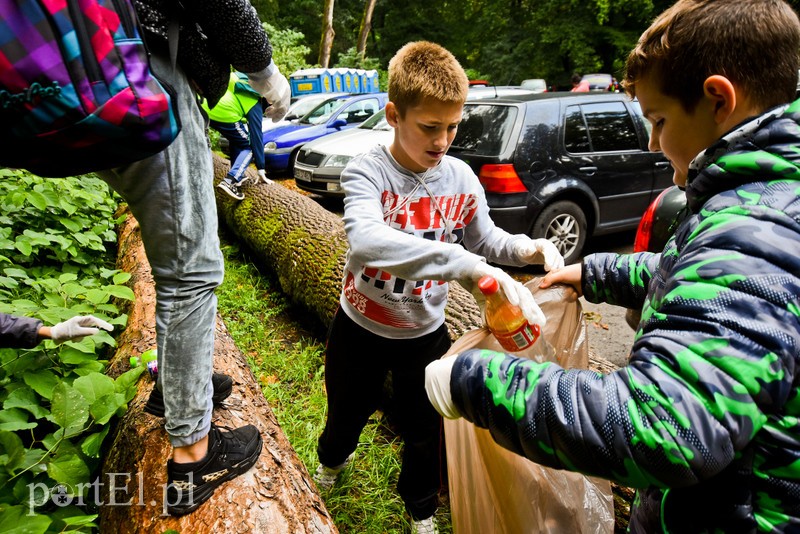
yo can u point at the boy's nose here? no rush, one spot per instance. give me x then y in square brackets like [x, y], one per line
[653, 145]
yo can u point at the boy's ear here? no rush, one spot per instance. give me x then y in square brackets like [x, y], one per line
[721, 94]
[391, 114]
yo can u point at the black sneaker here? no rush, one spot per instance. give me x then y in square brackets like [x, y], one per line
[231, 189]
[230, 454]
[223, 385]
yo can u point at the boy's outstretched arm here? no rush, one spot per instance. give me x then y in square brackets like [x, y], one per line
[569, 275]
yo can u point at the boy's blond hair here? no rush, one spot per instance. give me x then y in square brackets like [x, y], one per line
[423, 69]
[753, 43]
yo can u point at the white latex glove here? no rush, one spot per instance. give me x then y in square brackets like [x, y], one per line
[540, 251]
[517, 293]
[77, 328]
[275, 88]
[437, 386]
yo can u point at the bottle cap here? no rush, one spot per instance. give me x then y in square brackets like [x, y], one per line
[488, 285]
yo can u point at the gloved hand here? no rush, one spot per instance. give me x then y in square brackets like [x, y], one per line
[517, 293]
[437, 386]
[77, 328]
[275, 88]
[540, 251]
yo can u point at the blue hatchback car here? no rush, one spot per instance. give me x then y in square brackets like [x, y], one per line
[340, 112]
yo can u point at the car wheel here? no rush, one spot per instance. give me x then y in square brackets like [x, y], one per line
[564, 224]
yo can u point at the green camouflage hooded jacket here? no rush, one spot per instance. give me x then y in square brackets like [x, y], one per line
[704, 418]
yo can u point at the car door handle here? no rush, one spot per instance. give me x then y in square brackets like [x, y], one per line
[662, 164]
[588, 170]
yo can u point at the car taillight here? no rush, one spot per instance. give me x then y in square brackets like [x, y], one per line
[645, 230]
[501, 178]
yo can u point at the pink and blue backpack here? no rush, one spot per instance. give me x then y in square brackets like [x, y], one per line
[76, 90]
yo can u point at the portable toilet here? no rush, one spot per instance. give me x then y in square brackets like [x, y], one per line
[371, 83]
[358, 86]
[309, 81]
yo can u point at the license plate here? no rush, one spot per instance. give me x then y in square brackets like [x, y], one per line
[302, 174]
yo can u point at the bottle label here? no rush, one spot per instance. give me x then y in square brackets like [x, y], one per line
[519, 339]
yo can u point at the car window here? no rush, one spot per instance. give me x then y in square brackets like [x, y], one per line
[576, 135]
[377, 122]
[360, 111]
[323, 112]
[484, 129]
[608, 126]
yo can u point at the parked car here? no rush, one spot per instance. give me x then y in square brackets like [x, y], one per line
[499, 91]
[337, 113]
[537, 85]
[299, 107]
[600, 81]
[562, 166]
[319, 163]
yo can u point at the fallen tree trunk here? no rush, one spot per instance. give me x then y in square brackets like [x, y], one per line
[305, 246]
[275, 496]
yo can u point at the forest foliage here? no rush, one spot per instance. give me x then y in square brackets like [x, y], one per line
[504, 41]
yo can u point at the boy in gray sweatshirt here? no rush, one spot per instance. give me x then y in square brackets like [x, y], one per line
[415, 219]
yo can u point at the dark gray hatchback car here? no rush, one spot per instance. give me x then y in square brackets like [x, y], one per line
[563, 166]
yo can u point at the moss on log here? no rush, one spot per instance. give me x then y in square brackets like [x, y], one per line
[305, 245]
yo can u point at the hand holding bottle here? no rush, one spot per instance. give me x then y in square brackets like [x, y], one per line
[517, 294]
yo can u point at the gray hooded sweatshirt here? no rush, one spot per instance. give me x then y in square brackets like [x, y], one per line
[409, 235]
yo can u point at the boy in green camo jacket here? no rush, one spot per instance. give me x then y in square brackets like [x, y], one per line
[704, 420]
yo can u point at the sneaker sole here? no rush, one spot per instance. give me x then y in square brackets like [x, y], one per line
[202, 494]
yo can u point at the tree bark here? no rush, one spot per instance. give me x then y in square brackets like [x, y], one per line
[366, 26]
[275, 496]
[304, 244]
[326, 43]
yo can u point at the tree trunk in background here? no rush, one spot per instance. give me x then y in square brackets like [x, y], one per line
[305, 244]
[275, 496]
[326, 44]
[366, 26]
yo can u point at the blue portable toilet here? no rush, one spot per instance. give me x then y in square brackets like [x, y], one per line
[371, 83]
[309, 81]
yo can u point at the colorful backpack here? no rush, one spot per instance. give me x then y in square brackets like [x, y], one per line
[76, 90]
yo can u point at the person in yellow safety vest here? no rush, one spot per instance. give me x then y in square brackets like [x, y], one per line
[238, 116]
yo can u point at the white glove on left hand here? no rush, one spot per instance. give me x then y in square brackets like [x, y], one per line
[275, 88]
[540, 251]
[77, 328]
[437, 386]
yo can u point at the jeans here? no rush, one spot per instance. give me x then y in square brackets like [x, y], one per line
[171, 195]
[246, 141]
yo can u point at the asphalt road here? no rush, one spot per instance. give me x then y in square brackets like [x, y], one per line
[609, 334]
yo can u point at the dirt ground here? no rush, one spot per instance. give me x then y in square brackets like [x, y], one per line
[609, 333]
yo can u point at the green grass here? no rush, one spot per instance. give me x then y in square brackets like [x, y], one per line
[285, 350]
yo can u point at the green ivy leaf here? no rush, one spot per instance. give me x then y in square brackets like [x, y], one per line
[13, 452]
[97, 296]
[121, 277]
[37, 200]
[15, 419]
[26, 399]
[72, 356]
[19, 520]
[42, 381]
[126, 382]
[68, 468]
[107, 406]
[69, 410]
[94, 386]
[92, 444]
[121, 292]
[24, 246]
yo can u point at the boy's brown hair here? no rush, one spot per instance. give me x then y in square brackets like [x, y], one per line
[753, 43]
[423, 69]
